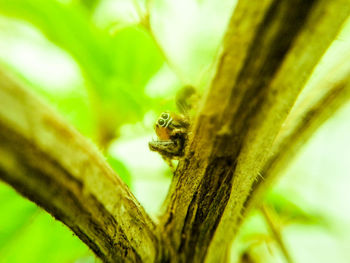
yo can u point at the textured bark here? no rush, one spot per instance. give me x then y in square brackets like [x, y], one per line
[313, 110]
[270, 49]
[267, 57]
[47, 161]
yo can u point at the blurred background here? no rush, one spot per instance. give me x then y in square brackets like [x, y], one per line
[110, 67]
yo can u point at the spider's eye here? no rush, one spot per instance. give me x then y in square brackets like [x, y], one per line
[161, 122]
[165, 116]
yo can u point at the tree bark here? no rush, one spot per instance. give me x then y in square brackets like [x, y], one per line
[47, 161]
[270, 49]
[268, 54]
[305, 118]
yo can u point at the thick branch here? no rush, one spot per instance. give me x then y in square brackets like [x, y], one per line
[47, 161]
[269, 51]
[305, 118]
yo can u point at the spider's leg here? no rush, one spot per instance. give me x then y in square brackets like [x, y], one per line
[168, 148]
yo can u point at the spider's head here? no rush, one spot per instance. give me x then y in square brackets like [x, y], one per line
[162, 126]
[164, 120]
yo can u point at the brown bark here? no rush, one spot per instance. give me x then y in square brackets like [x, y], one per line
[313, 110]
[258, 79]
[269, 51]
[47, 161]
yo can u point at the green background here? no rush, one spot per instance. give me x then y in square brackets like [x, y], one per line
[110, 77]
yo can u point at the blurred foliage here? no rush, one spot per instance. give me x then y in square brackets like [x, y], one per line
[28, 234]
[89, 4]
[290, 212]
[122, 76]
[119, 166]
[116, 68]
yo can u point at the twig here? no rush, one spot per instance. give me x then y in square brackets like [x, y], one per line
[310, 115]
[145, 21]
[276, 231]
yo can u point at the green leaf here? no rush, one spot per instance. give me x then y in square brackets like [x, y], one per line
[292, 212]
[37, 236]
[116, 68]
[120, 169]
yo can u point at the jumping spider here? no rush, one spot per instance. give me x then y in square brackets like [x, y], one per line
[171, 130]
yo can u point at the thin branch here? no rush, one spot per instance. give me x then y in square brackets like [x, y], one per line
[276, 231]
[145, 21]
[47, 161]
[138, 9]
[269, 51]
[317, 33]
[306, 118]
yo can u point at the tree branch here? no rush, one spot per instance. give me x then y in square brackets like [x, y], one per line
[47, 161]
[306, 117]
[275, 230]
[270, 50]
